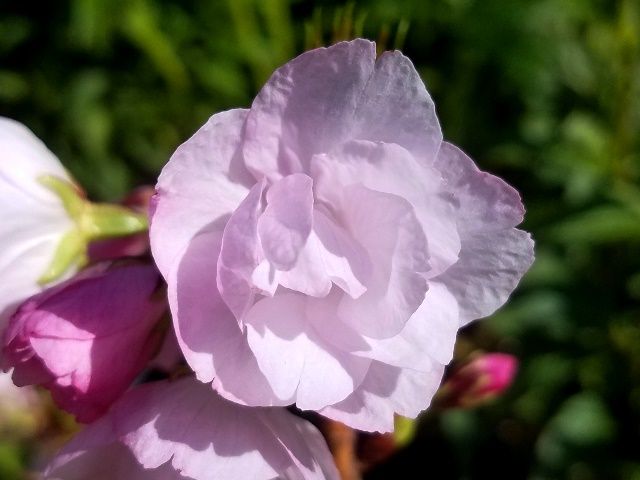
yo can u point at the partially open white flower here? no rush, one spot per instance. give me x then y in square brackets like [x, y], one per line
[46, 221]
[34, 218]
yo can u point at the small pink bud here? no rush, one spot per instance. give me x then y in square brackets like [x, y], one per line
[484, 378]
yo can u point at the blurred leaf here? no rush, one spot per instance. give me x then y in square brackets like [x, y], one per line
[13, 32]
[141, 27]
[13, 86]
[542, 311]
[602, 224]
[582, 421]
[544, 376]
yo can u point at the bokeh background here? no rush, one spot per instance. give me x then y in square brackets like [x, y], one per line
[545, 93]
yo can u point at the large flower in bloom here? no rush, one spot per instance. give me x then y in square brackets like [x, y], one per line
[183, 431]
[324, 247]
[34, 219]
[87, 338]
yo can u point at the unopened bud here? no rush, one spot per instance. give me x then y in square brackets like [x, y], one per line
[484, 378]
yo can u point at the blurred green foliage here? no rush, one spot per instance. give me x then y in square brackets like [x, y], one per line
[545, 93]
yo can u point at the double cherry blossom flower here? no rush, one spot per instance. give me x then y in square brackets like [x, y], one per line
[321, 248]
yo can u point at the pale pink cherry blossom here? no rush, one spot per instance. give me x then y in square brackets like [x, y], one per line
[175, 430]
[323, 247]
[88, 338]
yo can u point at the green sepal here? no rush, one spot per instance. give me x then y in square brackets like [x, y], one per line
[70, 252]
[72, 199]
[404, 430]
[92, 222]
[102, 220]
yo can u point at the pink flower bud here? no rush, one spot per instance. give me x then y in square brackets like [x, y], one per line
[88, 338]
[482, 379]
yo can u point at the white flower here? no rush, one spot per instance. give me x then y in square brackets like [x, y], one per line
[34, 218]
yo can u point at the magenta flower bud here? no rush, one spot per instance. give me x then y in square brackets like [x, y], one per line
[88, 338]
[482, 379]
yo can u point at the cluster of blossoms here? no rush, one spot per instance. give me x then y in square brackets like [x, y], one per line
[320, 249]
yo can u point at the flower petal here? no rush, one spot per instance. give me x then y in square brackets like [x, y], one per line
[20, 147]
[484, 202]
[330, 95]
[387, 391]
[330, 256]
[95, 453]
[306, 107]
[182, 430]
[206, 437]
[489, 269]
[240, 253]
[286, 222]
[430, 332]
[204, 181]
[34, 219]
[493, 256]
[389, 168]
[207, 332]
[386, 226]
[395, 107]
[295, 359]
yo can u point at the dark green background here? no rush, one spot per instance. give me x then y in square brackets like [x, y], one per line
[545, 93]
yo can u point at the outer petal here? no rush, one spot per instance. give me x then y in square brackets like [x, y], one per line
[22, 264]
[207, 332]
[205, 437]
[429, 335]
[396, 108]
[197, 191]
[387, 391]
[494, 255]
[295, 359]
[203, 182]
[306, 107]
[24, 159]
[97, 454]
[327, 96]
[33, 218]
[183, 430]
[483, 201]
[490, 267]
